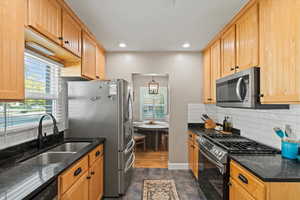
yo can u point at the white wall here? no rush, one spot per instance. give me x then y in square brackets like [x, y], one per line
[254, 124]
[184, 69]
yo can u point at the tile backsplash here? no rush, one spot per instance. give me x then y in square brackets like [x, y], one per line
[254, 124]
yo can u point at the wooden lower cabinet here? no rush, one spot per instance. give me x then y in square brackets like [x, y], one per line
[79, 190]
[84, 179]
[244, 185]
[96, 181]
[193, 152]
[237, 192]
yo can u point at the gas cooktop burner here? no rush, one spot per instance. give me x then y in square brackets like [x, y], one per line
[247, 147]
[223, 136]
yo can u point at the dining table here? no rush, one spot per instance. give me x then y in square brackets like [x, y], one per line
[154, 127]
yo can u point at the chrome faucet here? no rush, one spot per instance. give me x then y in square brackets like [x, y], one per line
[41, 138]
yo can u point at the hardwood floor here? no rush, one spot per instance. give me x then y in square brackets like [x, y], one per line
[151, 159]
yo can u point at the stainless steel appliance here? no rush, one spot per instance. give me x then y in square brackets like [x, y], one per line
[104, 109]
[242, 90]
[213, 161]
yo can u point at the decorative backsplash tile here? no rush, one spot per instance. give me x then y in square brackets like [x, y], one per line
[254, 124]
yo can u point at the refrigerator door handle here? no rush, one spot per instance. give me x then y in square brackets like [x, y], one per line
[131, 146]
[128, 167]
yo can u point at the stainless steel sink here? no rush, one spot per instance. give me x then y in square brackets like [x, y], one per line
[73, 147]
[50, 158]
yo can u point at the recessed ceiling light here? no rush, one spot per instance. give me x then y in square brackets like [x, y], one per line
[122, 45]
[186, 45]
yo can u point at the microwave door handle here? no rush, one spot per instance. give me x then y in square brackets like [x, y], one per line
[238, 91]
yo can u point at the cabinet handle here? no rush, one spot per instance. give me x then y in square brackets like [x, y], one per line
[92, 173]
[243, 179]
[60, 38]
[97, 153]
[67, 42]
[77, 171]
[209, 99]
[88, 177]
[232, 68]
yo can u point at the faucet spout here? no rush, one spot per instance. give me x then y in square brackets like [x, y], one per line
[40, 142]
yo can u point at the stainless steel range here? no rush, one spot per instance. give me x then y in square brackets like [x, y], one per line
[213, 161]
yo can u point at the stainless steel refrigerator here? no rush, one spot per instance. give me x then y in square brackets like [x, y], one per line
[104, 109]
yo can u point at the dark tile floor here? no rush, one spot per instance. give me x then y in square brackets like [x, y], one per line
[186, 185]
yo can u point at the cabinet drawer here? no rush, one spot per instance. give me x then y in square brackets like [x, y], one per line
[248, 181]
[69, 177]
[95, 154]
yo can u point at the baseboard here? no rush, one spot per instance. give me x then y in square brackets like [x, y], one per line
[174, 166]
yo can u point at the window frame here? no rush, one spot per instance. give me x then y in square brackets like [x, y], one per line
[33, 125]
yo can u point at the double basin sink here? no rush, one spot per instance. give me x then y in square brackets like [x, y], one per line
[57, 154]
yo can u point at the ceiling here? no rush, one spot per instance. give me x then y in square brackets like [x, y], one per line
[155, 25]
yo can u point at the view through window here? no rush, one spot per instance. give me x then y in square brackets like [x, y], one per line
[153, 106]
[42, 88]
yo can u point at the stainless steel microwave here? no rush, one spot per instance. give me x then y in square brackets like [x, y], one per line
[242, 90]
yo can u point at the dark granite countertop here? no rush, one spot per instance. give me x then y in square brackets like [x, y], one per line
[25, 180]
[270, 168]
[199, 129]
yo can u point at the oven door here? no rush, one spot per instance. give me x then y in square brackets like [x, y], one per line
[212, 177]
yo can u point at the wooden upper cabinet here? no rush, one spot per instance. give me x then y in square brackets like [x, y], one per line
[247, 39]
[215, 60]
[280, 51]
[88, 63]
[96, 181]
[228, 51]
[206, 77]
[71, 34]
[12, 18]
[45, 16]
[79, 190]
[100, 64]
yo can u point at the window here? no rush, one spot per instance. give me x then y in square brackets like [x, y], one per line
[42, 95]
[153, 106]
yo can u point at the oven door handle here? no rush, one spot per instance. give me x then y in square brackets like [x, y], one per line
[221, 167]
[238, 87]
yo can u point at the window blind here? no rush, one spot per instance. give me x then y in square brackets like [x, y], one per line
[42, 95]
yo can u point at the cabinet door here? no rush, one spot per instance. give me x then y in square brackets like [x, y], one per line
[247, 39]
[12, 14]
[237, 192]
[96, 181]
[45, 17]
[206, 77]
[190, 154]
[196, 159]
[79, 190]
[280, 51]
[88, 65]
[71, 34]
[228, 52]
[100, 64]
[215, 68]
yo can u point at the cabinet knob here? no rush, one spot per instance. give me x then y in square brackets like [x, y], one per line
[232, 68]
[88, 177]
[261, 95]
[92, 173]
[237, 67]
[67, 42]
[229, 184]
[209, 99]
[60, 38]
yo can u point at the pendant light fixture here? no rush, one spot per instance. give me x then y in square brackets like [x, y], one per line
[153, 86]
